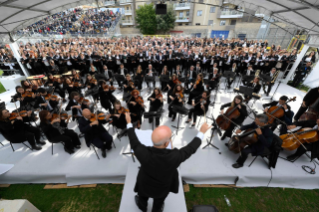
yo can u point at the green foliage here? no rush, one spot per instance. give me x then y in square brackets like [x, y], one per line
[146, 19]
[166, 22]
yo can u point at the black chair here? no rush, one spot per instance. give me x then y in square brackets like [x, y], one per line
[17, 143]
[97, 155]
[272, 153]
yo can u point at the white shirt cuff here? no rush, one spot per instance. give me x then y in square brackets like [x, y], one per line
[200, 135]
[286, 110]
[129, 125]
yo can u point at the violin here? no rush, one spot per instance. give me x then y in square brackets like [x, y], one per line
[223, 121]
[123, 110]
[27, 94]
[97, 117]
[93, 81]
[305, 135]
[51, 97]
[158, 96]
[277, 111]
[13, 116]
[179, 95]
[83, 100]
[176, 81]
[238, 142]
[139, 100]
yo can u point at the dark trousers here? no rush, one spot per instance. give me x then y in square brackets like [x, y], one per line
[157, 205]
[297, 79]
[269, 86]
[300, 112]
[31, 134]
[150, 120]
[244, 154]
[103, 140]
[300, 151]
[195, 113]
[229, 131]
[69, 138]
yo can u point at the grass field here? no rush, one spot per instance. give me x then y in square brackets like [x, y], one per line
[107, 198]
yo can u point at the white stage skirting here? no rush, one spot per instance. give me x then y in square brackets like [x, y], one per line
[206, 166]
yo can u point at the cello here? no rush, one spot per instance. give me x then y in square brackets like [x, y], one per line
[277, 111]
[224, 120]
[238, 142]
[311, 113]
[305, 135]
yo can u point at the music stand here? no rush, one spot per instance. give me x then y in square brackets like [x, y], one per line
[214, 128]
[227, 75]
[180, 111]
[275, 90]
[153, 115]
[215, 96]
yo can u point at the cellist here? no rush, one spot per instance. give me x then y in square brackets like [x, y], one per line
[237, 102]
[265, 137]
[313, 147]
[308, 99]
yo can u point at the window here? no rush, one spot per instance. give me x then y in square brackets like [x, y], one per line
[187, 13]
[197, 24]
[222, 23]
[181, 14]
[199, 12]
[233, 22]
[212, 9]
[180, 24]
[201, 1]
[210, 22]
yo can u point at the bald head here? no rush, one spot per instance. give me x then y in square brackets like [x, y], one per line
[161, 136]
[86, 113]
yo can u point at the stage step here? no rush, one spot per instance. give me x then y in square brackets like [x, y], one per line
[215, 186]
[58, 186]
[174, 202]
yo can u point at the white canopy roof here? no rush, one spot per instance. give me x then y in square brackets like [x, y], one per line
[17, 14]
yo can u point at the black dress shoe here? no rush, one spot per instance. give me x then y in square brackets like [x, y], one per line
[223, 137]
[36, 147]
[226, 144]
[78, 146]
[103, 153]
[292, 157]
[41, 142]
[237, 165]
[70, 151]
[137, 198]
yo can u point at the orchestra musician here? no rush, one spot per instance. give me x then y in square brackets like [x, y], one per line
[139, 77]
[177, 99]
[44, 102]
[171, 85]
[118, 115]
[106, 96]
[255, 85]
[75, 105]
[108, 75]
[136, 107]
[200, 107]
[156, 103]
[150, 72]
[190, 77]
[231, 80]
[302, 71]
[92, 85]
[311, 97]
[273, 74]
[95, 133]
[164, 82]
[16, 131]
[288, 114]
[250, 73]
[56, 131]
[313, 147]
[27, 99]
[198, 88]
[265, 138]
[237, 102]
[213, 80]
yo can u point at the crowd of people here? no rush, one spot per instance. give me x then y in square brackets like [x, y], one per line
[75, 22]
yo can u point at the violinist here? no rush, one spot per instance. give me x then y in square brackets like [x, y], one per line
[164, 78]
[27, 99]
[56, 131]
[27, 86]
[156, 103]
[106, 96]
[118, 116]
[237, 102]
[139, 76]
[15, 131]
[59, 87]
[92, 85]
[44, 102]
[200, 107]
[313, 147]
[49, 81]
[75, 76]
[54, 69]
[75, 105]
[177, 99]
[128, 84]
[198, 88]
[287, 118]
[136, 107]
[190, 76]
[121, 72]
[310, 98]
[95, 133]
[265, 138]
[213, 80]
[255, 85]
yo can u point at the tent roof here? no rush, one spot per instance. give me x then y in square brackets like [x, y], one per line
[17, 14]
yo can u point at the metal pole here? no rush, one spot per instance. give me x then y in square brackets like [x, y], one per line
[15, 49]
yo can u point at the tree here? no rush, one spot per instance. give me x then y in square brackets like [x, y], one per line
[166, 22]
[146, 19]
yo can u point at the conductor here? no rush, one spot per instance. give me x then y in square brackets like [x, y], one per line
[158, 173]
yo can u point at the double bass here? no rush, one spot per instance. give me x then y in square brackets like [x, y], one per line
[277, 111]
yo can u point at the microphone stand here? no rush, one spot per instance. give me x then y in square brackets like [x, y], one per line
[215, 128]
[275, 90]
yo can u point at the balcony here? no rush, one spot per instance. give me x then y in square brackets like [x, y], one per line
[231, 14]
[127, 22]
[182, 6]
[182, 19]
[128, 12]
[126, 1]
[109, 2]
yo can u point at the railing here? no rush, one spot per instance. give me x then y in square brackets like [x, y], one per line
[182, 5]
[109, 2]
[126, 1]
[127, 11]
[182, 18]
[127, 21]
[231, 12]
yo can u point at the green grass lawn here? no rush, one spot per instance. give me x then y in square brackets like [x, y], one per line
[107, 198]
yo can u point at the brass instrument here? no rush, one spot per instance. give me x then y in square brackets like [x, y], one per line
[257, 73]
[275, 77]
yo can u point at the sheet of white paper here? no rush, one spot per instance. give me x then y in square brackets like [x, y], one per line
[5, 167]
[145, 137]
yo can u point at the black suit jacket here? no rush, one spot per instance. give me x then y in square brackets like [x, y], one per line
[311, 96]
[74, 110]
[158, 173]
[256, 88]
[91, 132]
[125, 71]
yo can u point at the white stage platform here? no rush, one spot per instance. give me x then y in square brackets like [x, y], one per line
[206, 166]
[173, 202]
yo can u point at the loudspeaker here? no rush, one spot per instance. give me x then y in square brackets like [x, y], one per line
[161, 9]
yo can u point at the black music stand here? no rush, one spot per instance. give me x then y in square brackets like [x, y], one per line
[227, 75]
[214, 128]
[153, 115]
[314, 160]
[179, 111]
